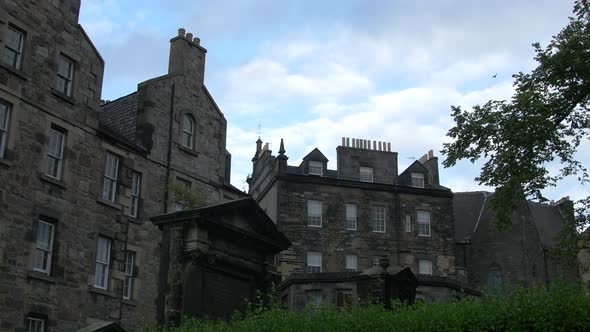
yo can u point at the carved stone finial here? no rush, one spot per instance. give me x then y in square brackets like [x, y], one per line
[282, 148]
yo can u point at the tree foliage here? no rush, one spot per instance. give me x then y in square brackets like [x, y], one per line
[546, 120]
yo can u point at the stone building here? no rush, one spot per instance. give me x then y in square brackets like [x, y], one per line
[347, 219]
[80, 180]
[523, 255]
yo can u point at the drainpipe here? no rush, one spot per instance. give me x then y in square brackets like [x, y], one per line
[169, 154]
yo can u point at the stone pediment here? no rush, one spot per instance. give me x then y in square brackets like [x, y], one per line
[238, 219]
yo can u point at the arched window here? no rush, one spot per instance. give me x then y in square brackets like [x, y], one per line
[188, 131]
[495, 276]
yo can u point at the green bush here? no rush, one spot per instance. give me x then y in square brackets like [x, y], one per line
[561, 307]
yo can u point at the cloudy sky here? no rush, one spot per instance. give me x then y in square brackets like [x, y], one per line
[312, 72]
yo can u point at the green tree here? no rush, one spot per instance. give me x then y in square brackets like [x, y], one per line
[546, 120]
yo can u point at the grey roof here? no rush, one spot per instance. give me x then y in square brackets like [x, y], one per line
[548, 220]
[120, 116]
[467, 210]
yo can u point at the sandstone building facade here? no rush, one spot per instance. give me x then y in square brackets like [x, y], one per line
[79, 180]
[347, 219]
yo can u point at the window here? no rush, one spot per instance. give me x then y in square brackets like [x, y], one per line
[109, 188]
[366, 174]
[13, 48]
[314, 298]
[4, 118]
[418, 180]
[314, 213]
[314, 262]
[425, 267]
[495, 276]
[378, 219]
[316, 168]
[65, 75]
[43, 247]
[188, 131]
[103, 258]
[344, 299]
[375, 261]
[135, 193]
[408, 224]
[35, 324]
[55, 151]
[351, 217]
[185, 185]
[350, 263]
[423, 223]
[128, 282]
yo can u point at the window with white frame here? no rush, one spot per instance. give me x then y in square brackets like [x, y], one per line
[314, 298]
[188, 131]
[408, 224]
[425, 267]
[128, 281]
[378, 219]
[65, 75]
[375, 261]
[314, 213]
[44, 247]
[316, 168]
[185, 185]
[423, 223]
[351, 263]
[366, 174]
[55, 151]
[111, 168]
[418, 180]
[4, 120]
[135, 193]
[351, 217]
[103, 258]
[314, 262]
[13, 47]
[35, 324]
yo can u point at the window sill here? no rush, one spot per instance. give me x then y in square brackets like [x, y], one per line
[314, 226]
[6, 162]
[378, 232]
[66, 98]
[51, 180]
[17, 72]
[109, 203]
[135, 220]
[187, 150]
[40, 276]
[104, 292]
[129, 302]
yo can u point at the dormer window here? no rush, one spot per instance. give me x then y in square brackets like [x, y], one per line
[366, 174]
[316, 168]
[418, 180]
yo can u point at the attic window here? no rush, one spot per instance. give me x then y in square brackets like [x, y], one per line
[316, 168]
[366, 174]
[418, 180]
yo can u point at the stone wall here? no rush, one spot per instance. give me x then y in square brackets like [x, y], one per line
[73, 203]
[584, 259]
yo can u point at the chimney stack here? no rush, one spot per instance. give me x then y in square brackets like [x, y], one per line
[187, 56]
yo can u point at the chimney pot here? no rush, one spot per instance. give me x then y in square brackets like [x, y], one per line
[189, 36]
[197, 41]
[181, 32]
[343, 141]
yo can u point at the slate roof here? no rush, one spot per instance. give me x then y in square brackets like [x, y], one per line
[120, 117]
[467, 210]
[548, 220]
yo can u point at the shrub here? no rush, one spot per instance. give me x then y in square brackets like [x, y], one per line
[561, 307]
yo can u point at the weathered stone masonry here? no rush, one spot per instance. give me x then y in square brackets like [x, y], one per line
[55, 87]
